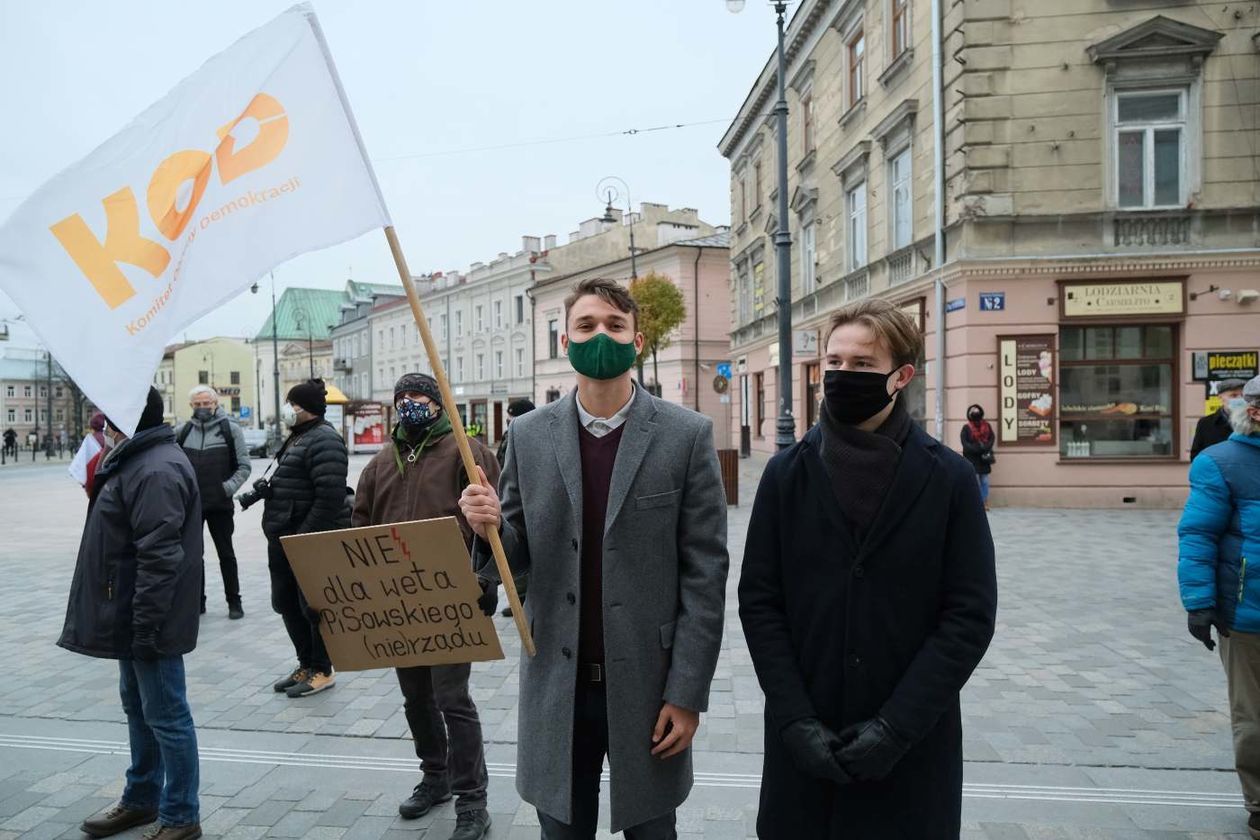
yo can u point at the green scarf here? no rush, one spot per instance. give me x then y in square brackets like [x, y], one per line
[440, 429]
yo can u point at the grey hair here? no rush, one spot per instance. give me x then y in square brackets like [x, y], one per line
[203, 389]
[1241, 420]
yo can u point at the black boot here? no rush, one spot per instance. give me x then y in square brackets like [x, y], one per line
[234, 610]
[471, 825]
[116, 820]
[423, 798]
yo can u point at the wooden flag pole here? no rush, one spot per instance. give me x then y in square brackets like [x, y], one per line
[461, 439]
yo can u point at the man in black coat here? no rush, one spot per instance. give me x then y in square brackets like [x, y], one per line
[135, 597]
[307, 494]
[868, 597]
[1215, 427]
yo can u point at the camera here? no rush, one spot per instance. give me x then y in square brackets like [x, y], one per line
[262, 490]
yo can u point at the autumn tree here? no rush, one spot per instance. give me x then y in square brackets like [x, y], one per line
[661, 310]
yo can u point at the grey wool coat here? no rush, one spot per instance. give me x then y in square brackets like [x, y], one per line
[664, 592]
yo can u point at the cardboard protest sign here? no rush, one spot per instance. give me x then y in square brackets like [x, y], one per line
[394, 596]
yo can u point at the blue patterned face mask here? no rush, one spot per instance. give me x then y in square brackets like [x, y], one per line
[416, 416]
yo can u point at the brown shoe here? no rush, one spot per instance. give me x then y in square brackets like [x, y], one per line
[174, 832]
[315, 682]
[298, 676]
[116, 819]
[1253, 825]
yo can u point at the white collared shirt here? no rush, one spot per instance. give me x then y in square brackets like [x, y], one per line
[600, 426]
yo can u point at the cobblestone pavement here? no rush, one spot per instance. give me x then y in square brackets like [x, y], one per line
[1093, 716]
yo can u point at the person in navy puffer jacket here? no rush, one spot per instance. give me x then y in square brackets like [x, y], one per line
[1219, 573]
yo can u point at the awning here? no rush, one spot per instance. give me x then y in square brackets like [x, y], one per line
[333, 395]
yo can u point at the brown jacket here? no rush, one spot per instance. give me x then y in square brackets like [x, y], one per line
[427, 489]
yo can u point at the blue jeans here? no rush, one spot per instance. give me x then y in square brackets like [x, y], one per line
[984, 486]
[164, 771]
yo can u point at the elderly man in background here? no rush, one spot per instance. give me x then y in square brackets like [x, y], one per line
[215, 445]
[1219, 530]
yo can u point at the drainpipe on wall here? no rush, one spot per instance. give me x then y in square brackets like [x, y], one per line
[695, 302]
[533, 333]
[938, 257]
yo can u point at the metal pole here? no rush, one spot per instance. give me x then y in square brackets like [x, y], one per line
[634, 265]
[49, 403]
[938, 257]
[786, 427]
[275, 355]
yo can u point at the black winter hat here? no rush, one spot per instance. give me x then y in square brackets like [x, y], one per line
[518, 407]
[154, 409]
[310, 395]
[421, 383]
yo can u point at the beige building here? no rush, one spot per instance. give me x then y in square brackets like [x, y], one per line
[225, 364]
[1099, 224]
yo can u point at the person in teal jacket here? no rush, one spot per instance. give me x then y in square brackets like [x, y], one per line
[1219, 574]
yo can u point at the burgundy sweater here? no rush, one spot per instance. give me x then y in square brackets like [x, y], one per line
[598, 456]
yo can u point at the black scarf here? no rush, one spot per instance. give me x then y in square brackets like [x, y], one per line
[862, 464]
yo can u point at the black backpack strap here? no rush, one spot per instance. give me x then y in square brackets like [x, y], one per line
[225, 429]
[184, 433]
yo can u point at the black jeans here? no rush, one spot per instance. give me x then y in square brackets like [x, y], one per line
[222, 524]
[287, 599]
[447, 731]
[590, 745]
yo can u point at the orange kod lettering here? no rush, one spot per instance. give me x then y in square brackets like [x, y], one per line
[123, 241]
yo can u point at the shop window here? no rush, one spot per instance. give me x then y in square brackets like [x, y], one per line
[1117, 391]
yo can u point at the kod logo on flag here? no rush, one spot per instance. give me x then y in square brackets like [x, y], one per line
[252, 160]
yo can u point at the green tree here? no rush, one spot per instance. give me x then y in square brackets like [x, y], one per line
[661, 310]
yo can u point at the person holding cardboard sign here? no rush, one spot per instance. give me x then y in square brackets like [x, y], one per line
[420, 477]
[612, 501]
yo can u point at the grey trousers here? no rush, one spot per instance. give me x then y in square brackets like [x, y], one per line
[1240, 654]
[446, 730]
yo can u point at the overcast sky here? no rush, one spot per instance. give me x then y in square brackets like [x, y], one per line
[432, 84]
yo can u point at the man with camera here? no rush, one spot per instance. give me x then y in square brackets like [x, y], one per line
[215, 446]
[307, 493]
[420, 476]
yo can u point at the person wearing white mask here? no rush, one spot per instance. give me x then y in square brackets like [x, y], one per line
[306, 494]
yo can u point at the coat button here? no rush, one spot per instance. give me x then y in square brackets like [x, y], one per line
[854, 660]
[568, 654]
[571, 598]
[859, 571]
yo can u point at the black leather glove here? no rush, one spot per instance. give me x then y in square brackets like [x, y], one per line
[144, 644]
[813, 749]
[489, 600]
[1201, 622]
[871, 749]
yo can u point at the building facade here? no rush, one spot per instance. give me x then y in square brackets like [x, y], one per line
[304, 321]
[1099, 225]
[26, 383]
[226, 364]
[352, 338]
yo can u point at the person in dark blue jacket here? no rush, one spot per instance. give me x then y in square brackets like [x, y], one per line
[1220, 533]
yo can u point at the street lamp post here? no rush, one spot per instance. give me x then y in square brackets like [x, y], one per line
[785, 432]
[607, 191]
[275, 354]
[303, 319]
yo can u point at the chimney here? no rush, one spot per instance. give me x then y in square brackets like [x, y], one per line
[531, 244]
[549, 242]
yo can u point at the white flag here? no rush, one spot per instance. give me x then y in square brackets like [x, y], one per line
[252, 160]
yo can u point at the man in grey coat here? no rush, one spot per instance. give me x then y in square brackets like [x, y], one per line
[612, 501]
[215, 445]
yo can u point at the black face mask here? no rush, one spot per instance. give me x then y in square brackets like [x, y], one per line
[854, 396]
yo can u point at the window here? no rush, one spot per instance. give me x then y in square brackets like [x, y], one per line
[520, 362]
[498, 314]
[380, 338]
[856, 205]
[479, 318]
[43, 391]
[808, 260]
[26, 390]
[759, 406]
[520, 309]
[1149, 149]
[743, 293]
[900, 28]
[61, 415]
[12, 414]
[901, 221]
[1116, 391]
[442, 325]
[553, 339]
[807, 123]
[481, 366]
[203, 377]
[57, 392]
[234, 377]
[380, 377]
[459, 323]
[743, 199]
[9, 390]
[26, 414]
[857, 58]
[498, 364]
[392, 342]
[756, 185]
[393, 374]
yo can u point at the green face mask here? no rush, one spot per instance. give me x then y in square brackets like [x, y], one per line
[601, 357]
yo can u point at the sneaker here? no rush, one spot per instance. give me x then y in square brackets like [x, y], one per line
[472, 825]
[288, 682]
[116, 819]
[174, 832]
[422, 799]
[1253, 826]
[234, 610]
[315, 682]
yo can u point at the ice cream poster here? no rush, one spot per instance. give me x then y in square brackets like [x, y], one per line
[1027, 409]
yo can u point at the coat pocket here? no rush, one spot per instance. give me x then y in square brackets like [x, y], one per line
[667, 634]
[657, 500]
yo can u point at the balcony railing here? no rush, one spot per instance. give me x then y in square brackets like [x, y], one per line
[901, 266]
[343, 365]
[1151, 230]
